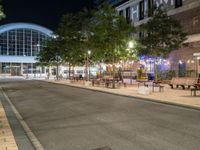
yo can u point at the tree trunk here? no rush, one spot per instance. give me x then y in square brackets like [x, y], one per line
[156, 69]
[57, 68]
[69, 71]
[73, 72]
[113, 85]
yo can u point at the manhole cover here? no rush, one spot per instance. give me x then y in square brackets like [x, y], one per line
[103, 148]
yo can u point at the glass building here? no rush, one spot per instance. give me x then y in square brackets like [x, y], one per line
[19, 45]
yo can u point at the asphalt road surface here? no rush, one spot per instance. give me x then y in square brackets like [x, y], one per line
[68, 118]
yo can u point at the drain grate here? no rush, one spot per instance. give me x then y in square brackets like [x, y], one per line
[103, 148]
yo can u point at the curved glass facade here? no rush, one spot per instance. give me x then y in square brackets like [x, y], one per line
[22, 42]
[19, 45]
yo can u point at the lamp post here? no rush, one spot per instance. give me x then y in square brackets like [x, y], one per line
[131, 45]
[197, 59]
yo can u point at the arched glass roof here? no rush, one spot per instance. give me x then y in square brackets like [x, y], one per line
[13, 26]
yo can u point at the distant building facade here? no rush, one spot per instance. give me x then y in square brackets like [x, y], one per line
[186, 59]
[19, 45]
[113, 2]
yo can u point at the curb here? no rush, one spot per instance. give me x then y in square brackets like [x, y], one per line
[129, 96]
[35, 142]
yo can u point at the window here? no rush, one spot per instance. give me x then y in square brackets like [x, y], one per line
[178, 3]
[141, 34]
[22, 42]
[141, 10]
[3, 43]
[121, 12]
[128, 14]
[150, 8]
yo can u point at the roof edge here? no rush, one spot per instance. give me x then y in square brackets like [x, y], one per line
[21, 25]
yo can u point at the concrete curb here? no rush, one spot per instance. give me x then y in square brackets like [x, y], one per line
[129, 96]
[35, 142]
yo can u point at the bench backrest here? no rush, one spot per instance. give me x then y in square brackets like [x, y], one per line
[191, 81]
[183, 81]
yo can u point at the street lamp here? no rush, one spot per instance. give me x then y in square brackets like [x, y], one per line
[198, 61]
[130, 44]
[197, 58]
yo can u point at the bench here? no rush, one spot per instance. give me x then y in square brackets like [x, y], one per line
[183, 82]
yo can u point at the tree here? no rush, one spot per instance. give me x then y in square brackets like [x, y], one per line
[51, 54]
[73, 31]
[70, 37]
[110, 34]
[2, 15]
[162, 34]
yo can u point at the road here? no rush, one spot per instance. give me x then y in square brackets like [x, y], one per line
[69, 118]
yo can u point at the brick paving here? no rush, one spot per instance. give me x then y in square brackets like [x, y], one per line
[172, 96]
[7, 140]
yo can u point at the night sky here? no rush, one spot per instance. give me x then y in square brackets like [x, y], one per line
[43, 12]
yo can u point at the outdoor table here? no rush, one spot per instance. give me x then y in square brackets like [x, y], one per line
[110, 82]
[197, 85]
[196, 88]
[144, 83]
[156, 84]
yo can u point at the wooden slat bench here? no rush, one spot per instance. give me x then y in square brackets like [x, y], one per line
[183, 82]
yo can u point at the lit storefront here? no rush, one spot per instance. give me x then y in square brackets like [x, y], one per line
[19, 45]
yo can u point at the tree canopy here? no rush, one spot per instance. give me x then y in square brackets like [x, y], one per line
[2, 15]
[162, 34]
[110, 35]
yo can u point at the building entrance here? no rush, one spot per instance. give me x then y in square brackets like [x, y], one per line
[15, 71]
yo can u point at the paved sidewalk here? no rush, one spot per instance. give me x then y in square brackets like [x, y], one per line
[170, 96]
[7, 140]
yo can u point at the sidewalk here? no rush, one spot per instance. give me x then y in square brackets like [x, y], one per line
[7, 140]
[169, 96]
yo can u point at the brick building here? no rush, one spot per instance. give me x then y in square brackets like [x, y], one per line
[187, 58]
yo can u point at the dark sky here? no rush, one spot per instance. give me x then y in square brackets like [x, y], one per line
[43, 12]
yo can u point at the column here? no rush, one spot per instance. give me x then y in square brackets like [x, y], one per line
[0, 68]
[21, 73]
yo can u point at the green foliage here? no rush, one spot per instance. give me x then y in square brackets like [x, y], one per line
[166, 75]
[2, 15]
[162, 35]
[103, 32]
[69, 32]
[110, 35]
[51, 54]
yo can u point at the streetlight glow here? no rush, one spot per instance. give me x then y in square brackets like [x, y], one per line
[130, 44]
